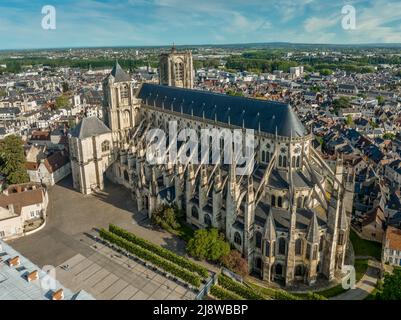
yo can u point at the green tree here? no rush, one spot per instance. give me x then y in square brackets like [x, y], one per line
[340, 103]
[208, 244]
[349, 120]
[62, 102]
[389, 136]
[65, 86]
[231, 92]
[165, 217]
[12, 160]
[326, 72]
[381, 101]
[391, 286]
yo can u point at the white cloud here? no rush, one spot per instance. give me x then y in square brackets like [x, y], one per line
[315, 24]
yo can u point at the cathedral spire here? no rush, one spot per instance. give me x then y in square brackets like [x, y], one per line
[270, 227]
[313, 230]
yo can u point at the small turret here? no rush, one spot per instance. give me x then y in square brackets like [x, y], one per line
[313, 230]
[270, 227]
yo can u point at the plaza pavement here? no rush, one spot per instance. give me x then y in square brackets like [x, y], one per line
[66, 240]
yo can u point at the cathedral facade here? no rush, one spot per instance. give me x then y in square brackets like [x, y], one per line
[289, 217]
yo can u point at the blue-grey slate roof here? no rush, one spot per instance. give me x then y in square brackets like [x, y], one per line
[89, 127]
[238, 111]
[119, 74]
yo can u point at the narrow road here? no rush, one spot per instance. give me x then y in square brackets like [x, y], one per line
[364, 287]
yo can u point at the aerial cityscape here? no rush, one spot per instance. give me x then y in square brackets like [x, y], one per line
[212, 151]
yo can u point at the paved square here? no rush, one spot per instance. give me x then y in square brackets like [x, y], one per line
[66, 242]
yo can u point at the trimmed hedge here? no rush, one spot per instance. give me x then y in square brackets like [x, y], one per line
[145, 254]
[223, 294]
[315, 296]
[239, 289]
[164, 253]
[283, 295]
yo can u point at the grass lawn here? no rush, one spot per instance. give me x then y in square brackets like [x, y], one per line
[361, 266]
[332, 292]
[372, 295]
[364, 247]
[267, 292]
[185, 232]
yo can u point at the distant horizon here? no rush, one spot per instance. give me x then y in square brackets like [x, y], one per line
[63, 24]
[283, 43]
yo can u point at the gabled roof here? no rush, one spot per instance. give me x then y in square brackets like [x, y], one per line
[89, 127]
[119, 74]
[21, 196]
[238, 111]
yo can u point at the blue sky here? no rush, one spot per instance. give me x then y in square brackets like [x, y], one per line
[84, 23]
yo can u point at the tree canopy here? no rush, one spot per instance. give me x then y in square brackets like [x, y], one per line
[340, 103]
[391, 286]
[12, 160]
[62, 102]
[208, 244]
[235, 262]
[381, 100]
[166, 218]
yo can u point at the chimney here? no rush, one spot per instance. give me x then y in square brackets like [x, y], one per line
[13, 262]
[34, 275]
[58, 295]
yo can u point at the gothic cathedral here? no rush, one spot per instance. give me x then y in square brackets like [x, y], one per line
[290, 218]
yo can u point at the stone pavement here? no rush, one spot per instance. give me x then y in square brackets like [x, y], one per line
[108, 275]
[64, 240]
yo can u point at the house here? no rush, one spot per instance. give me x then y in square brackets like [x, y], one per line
[392, 172]
[391, 253]
[22, 209]
[9, 114]
[373, 225]
[348, 89]
[49, 170]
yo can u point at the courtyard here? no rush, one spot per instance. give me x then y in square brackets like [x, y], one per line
[67, 243]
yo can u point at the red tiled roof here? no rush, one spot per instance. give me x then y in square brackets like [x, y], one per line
[20, 198]
[56, 161]
[393, 236]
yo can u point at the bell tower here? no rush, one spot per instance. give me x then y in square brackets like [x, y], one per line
[121, 107]
[176, 69]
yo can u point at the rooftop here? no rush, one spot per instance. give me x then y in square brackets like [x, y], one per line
[119, 74]
[393, 235]
[15, 286]
[89, 127]
[269, 116]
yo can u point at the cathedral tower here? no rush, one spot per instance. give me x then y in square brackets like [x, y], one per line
[176, 69]
[121, 107]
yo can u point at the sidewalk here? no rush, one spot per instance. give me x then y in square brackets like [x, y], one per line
[364, 287]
